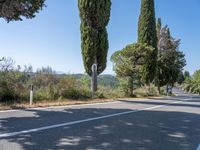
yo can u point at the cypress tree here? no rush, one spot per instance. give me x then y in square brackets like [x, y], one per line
[147, 33]
[94, 15]
[158, 30]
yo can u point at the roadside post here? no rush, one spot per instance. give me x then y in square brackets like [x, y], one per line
[167, 90]
[94, 79]
[31, 94]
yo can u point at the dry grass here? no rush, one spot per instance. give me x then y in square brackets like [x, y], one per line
[41, 104]
[66, 102]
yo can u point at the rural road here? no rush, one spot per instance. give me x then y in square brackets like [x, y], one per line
[153, 124]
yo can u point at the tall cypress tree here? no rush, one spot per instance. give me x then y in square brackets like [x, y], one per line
[94, 15]
[147, 32]
[158, 30]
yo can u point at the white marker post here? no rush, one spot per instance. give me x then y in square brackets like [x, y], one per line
[94, 79]
[31, 94]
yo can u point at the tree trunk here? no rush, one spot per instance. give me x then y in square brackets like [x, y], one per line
[157, 78]
[130, 82]
[167, 89]
[159, 88]
[94, 77]
[94, 82]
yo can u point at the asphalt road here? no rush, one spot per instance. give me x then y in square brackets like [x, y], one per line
[153, 124]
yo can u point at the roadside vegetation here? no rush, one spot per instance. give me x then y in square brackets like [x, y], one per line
[15, 84]
[143, 68]
[155, 61]
[191, 84]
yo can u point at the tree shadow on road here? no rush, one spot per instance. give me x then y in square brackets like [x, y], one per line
[145, 130]
[163, 103]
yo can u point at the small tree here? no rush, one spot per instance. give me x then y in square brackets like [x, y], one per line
[132, 62]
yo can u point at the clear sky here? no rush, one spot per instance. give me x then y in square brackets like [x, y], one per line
[53, 37]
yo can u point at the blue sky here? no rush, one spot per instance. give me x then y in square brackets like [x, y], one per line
[53, 37]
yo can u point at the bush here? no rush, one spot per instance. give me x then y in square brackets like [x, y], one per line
[72, 88]
[192, 84]
[108, 92]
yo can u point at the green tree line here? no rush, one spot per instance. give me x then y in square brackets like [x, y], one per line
[155, 58]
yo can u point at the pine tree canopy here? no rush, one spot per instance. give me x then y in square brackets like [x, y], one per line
[170, 61]
[14, 10]
[133, 61]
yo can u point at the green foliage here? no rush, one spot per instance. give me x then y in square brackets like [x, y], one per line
[13, 10]
[144, 92]
[53, 88]
[108, 81]
[11, 81]
[180, 78]
[147, 32]
[72, 88]
[133, 62]
[94, 17]
[108, 92]
[95, 13]
[170, 61]
[124, 86]
[15, 84]
[187, 74]
[127, 85]
[85, 81]
[158, 29]
[192, 84]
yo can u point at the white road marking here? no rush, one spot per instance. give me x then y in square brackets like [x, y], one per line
[82, 121]
[55, 107]
[70, 106]
[14, 110]
[198, 148]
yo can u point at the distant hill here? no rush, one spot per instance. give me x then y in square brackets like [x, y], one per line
[104, 80]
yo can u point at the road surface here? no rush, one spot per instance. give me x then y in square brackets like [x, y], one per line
[153, 124]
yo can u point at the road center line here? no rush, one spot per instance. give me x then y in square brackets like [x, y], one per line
[82, 121]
